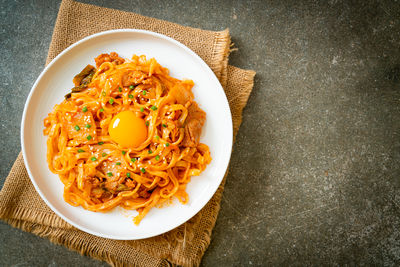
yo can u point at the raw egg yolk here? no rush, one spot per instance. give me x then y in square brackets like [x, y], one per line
[127, 129]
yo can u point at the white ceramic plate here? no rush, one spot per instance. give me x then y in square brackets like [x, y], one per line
[56, 80]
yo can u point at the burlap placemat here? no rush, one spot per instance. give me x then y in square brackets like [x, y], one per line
[22, 207]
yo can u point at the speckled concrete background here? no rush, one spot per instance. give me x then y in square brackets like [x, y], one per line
[314, 177]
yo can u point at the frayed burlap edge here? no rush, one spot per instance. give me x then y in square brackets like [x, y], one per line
[47, 219]
[220, 55]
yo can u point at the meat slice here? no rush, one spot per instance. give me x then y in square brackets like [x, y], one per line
[77, 128]
[182, 92]
[112, 57]
[133, 77]
[112, 171]
[193, 125]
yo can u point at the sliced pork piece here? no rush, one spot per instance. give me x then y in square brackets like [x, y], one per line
[77, 128]
[133, 77]
[193, 125]
[182, 92]
[112, 57]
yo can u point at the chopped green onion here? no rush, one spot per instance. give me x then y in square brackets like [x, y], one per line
[147, 123]
[109, 174]
[157, 157]
[102, 110]
[120, 89]
[164, 125]
[128, 174]
[142, 170]
[141, 109]
[144, 92]
[81, 150]
[167, 144]
[111, 101]
[84, 109]
[100, 143]
[118, 163]
[103, 93]
[154, 108]
[77, 127]
[88, 126]
[150, 151]
[123, 152]
[157, 137]
[89, 137]
[93, 159]
[133, 159]
[104, 154]
[131, 87]
[130, 96]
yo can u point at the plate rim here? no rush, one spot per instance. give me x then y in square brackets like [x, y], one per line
[34, 88]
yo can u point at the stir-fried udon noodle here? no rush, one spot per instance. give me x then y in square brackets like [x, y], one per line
[127, 135]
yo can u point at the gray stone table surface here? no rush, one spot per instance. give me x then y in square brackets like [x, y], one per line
[315, 174]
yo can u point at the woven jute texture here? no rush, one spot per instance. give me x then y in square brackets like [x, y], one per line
[22, 207]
